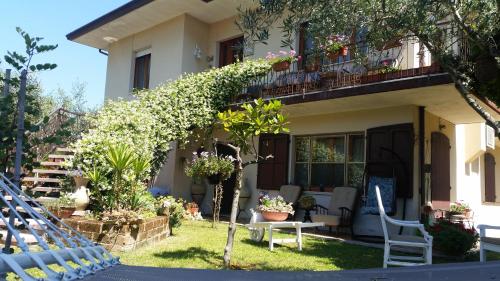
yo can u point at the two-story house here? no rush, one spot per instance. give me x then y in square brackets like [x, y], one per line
[347, 121]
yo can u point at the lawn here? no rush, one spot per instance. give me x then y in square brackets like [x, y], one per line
[197, 245]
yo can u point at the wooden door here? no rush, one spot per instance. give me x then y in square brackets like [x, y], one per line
[440, 171]
[230, 51]
[389, 153]
[489, 178]
[273, 172]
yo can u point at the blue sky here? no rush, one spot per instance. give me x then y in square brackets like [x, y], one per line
[53, 19]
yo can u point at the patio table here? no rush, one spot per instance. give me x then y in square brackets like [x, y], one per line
[270, 225]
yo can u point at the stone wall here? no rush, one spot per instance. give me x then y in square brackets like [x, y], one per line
[122, 237]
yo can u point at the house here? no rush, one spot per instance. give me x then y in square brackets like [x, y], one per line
[346, 120]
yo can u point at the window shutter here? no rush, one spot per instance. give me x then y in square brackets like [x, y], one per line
[440, 171]
[489, 178]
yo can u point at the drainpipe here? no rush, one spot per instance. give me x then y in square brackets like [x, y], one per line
[421, 153]
[103, 52]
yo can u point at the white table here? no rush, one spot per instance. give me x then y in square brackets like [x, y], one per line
[270, 225]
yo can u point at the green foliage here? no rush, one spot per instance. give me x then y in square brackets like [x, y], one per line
[174, 208]
[453, 238]
[438, 25]
[209, 164]
[255, 118]
[159, 116]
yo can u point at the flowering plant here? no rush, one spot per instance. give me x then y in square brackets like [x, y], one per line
[334, 43]
[274, 204]
[282, 56]
[207, 164]
[459, 207]
[453, 238]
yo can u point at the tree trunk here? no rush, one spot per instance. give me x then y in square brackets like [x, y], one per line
[234, 210]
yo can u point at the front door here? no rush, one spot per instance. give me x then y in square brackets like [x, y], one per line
[273, 172]
[230, 51]
[440, 171]
[227, 185]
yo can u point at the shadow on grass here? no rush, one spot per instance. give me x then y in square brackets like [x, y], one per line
[210, 257]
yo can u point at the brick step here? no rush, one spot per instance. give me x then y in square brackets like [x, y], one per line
[35, 224]
[50, 163]
[60, 156]
[44, 189]
[27, 237]
[38, 179]
[64, 149]
[47, 171]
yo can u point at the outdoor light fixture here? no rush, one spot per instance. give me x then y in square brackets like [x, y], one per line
[197, 52]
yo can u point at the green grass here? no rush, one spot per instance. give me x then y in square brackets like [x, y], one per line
[197, 245]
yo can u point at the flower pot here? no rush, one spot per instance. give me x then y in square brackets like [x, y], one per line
[333, 56]
[214, 179]
[82, 199]
[65, 212]
[193, 210]
[281, 66]
[344, 51]
[80, 181]
[274, 216]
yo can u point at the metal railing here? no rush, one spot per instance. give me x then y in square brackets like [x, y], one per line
[74, 253]
[361, 65]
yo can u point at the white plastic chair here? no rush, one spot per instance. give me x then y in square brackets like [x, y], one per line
[424, 242]
[487, 243]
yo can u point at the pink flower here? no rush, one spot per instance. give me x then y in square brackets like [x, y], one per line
[292, 53]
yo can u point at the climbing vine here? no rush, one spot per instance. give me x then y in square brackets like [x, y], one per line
[159, 116]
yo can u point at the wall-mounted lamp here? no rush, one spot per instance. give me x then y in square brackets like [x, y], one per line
[197, 52]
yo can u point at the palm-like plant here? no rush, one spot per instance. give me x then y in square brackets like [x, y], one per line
[120, 158]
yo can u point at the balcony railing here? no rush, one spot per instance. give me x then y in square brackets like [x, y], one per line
[398, 59]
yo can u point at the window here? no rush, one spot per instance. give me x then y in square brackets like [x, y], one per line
[141, 71]
[230, 51]
[324, 162]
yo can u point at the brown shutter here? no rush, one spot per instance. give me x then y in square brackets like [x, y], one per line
[273, 173]
[489, 178]
[440, 171]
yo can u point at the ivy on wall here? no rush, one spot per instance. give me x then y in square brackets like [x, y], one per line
[159, 116]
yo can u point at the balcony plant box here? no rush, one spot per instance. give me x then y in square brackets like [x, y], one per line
[281, 66]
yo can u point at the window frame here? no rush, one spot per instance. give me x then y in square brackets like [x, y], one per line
[310, 161]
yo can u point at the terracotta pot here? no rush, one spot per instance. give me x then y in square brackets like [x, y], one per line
[65, 212]
[333, 56]
[193, 210]
[274, 216]
[281, 66]
[344, 51]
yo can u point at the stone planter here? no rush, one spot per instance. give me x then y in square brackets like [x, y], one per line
[274, 216]
[82, 199]
[122, 237]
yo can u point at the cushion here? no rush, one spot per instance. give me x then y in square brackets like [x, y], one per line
[327, 219]
[290, 193]
[342, 197]
[491, 240]
[387, 192]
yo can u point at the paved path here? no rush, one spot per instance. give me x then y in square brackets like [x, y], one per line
[473, 271]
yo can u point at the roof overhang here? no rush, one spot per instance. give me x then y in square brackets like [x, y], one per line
[139, 15]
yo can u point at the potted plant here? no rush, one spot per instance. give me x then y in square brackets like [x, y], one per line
[453, 239]
[307, 202]
[335, 46]
[460, 208]
[274, 208]
[63, 207]
[192, 208]
[282, 60]
[215, 168]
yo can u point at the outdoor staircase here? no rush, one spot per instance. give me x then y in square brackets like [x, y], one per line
[45, 182]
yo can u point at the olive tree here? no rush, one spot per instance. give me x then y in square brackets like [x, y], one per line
[438, 24]
[243, 126]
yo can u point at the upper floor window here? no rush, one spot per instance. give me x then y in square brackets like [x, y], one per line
[230, 51]
[142, 69]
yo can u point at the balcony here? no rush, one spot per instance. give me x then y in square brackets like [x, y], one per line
[397, 60]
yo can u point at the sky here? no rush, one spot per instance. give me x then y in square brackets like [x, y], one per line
[52, 20]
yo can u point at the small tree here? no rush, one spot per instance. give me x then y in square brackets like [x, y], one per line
[243, 126]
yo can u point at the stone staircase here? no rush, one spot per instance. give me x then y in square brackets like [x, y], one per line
[45, 182]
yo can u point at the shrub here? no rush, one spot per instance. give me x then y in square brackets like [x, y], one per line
[174, 208]
[453, 238]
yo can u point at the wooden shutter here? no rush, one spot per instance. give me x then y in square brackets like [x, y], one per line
[440, 171]
[489, 178]
[390, 153]
[273, 173]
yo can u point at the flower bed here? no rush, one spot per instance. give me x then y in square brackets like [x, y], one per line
[122, 237]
